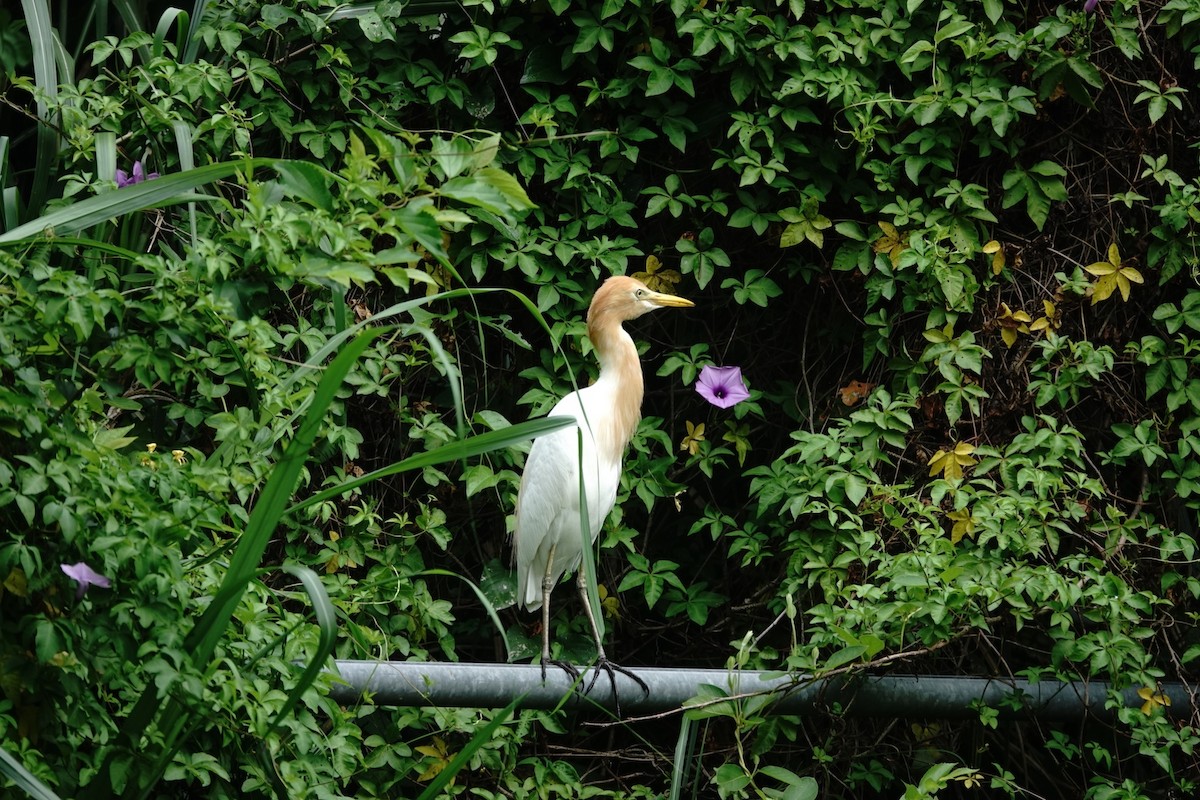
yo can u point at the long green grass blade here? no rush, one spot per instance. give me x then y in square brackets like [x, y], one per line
[8, 206]
[133, 22]
[191, 46]
[11, 202]
[326, 616]
[80, 216]
[172, 17]
[45, 74]
[454, 451]
[97, 245]
[106, 156]
[588, 560]
[685, 750]
[24, 779]
[491, 610]
[481, 737]
[399, 309]
[187, 163]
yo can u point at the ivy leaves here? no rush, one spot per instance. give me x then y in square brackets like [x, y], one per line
[661, 74]
[806, 223]
[1038, 186]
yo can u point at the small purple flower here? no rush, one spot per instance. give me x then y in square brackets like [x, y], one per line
[1090, 5]
[139, 174]
[722, 386]
[85, 576]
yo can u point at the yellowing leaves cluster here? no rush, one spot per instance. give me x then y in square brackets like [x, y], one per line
[440, 757]
[951, 462]
[964, 524]
[1111, 276]
[695, 435]
[1154, 700]
[1013, 322]
[996, 251]
[657, 278]
[893, 242]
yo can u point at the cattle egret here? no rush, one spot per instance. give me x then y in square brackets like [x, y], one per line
[548, 537]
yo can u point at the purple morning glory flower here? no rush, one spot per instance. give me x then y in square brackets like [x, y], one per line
[722, 386]
[85, 576]
[1090, 5]
[139, 174]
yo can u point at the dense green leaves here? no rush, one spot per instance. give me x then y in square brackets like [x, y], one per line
[907, 222]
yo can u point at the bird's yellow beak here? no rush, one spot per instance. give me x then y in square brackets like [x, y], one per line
[668, 300]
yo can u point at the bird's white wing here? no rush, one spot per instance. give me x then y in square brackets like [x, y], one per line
[548, 501]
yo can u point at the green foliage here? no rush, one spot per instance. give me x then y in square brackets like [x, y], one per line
[961, 455]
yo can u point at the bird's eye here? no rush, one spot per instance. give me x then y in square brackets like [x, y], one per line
[640, 293]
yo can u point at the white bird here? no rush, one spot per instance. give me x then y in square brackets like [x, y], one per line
[548, 540]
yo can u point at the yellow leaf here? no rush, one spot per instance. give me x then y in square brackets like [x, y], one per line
[657, 278]
[973, 781]
[1112, 276]
[1100, 269]
[1106, 267]
[890, 234]
[950, 463]
[16, 582]
[926, 733]
[435, 750]
[893, 242]
[1011, 323]
[440, 755]
[432, 771]
[996, 251]
[610, 605]
[1103, 288]
[1126, 277]
[695, 435]
[964, 524]
[1049, 322]
[1153, 699]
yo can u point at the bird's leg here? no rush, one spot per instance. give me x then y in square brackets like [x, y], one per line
[602, 662]
[547, 588]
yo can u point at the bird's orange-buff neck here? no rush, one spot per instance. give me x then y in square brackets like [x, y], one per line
[619, 366]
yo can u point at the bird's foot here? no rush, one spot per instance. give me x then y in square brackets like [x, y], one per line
[571, 670]
[611, 669]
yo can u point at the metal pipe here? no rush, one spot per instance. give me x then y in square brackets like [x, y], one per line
[413, 683]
